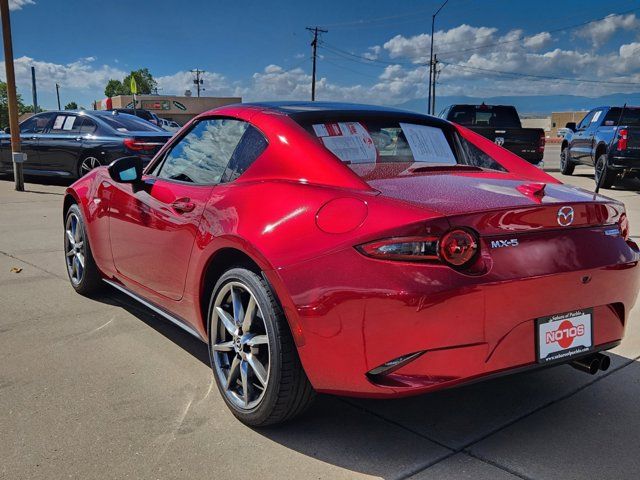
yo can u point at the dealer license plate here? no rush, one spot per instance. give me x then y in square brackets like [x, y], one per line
[564, 335]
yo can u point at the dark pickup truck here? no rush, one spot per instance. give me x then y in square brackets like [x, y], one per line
[607, 138]
[500, 124]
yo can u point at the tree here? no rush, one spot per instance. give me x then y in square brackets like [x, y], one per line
[71, 106]
[4, 105]
[113, 88]
[144, 81]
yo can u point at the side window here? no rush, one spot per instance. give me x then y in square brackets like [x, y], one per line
[66, 124]
[595, 119]
[250, 147]
[35, 124]
[88, 126]
[586, 120]
[202, 155]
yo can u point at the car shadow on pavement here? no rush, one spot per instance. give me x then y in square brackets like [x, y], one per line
[526, 423]
[182, 339]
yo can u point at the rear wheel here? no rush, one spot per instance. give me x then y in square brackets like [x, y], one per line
[253, 356]
[566, 165]
[604, 176]
[81, 268]
[87, 164]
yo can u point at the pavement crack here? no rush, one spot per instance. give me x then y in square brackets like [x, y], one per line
[33, 265]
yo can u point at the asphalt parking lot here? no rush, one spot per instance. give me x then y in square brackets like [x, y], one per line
[103, 388]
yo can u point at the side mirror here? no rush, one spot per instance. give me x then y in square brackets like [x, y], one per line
[126, 170]
[571, 126]
[7, 130]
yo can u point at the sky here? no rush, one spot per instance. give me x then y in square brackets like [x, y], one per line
[374, 51]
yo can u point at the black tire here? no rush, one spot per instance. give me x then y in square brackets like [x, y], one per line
[90, 281]
[601, 168]
[566, 165]
[288, 392]
[88, 162]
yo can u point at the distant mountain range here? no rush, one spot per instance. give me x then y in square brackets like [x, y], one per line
[531, 104]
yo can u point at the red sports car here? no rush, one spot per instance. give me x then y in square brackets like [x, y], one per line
[354, 250]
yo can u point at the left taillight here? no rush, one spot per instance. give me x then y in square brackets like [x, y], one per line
[457, 248]
[140, 145]
[623, 224]
[541, 143]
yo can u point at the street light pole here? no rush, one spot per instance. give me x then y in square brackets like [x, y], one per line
[431, 66]
[17, 155]
[58, 95]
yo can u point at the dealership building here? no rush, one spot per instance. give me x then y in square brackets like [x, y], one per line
[177, 108]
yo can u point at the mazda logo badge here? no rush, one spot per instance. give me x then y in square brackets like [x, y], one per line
[565, 216]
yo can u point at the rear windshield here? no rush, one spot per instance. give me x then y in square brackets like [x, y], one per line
[484, 116]
[630, 117]
[394, 141]
[128, 123]
[138, 113]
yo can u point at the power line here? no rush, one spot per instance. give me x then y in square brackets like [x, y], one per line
[198, 81]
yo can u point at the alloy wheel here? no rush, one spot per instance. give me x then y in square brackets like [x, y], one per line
[240, 346]
[599, 170]
[74, 248]
[88, 164]
[563, 159]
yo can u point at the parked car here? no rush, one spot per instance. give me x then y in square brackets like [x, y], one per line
[606, 138]
[141, 113]
[500, 124]
[70, 144]
[354, 250]
[169, 125]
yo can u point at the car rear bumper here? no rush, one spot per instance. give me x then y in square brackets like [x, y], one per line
[624, 162]
[350, 314]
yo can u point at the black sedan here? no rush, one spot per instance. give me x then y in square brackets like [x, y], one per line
[70, 144]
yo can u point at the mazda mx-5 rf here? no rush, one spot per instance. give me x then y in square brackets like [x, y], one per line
[354, 250]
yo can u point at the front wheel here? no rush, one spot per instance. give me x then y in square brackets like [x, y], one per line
[566, 165]
[81, 268]
[253, 356]
[604, 176]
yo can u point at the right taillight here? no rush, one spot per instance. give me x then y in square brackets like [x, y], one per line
[458, 247]
[623, 135]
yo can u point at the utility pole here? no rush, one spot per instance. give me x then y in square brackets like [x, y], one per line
[198, 81]
[432, 73]
[58, 95]
[34, 92]
[314, 44]
[17, 156]
[433, 85]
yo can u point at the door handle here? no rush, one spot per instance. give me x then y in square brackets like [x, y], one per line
[78, 139]
[183, 205]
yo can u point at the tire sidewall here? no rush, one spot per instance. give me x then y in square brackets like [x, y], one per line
[82, 283]
[566, 166]
[251, 280]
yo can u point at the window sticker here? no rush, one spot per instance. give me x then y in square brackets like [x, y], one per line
[349, 141]
[596, 116]
[428, 144]
[57, 125]
[68, 123]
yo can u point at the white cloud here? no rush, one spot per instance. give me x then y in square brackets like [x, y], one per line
[537, 41]
[599, 32]
[18, 4]
[372, 53]
[213, 84]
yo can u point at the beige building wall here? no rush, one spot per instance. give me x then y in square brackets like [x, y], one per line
[560, 119]
[538, 122]
[170, 107]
